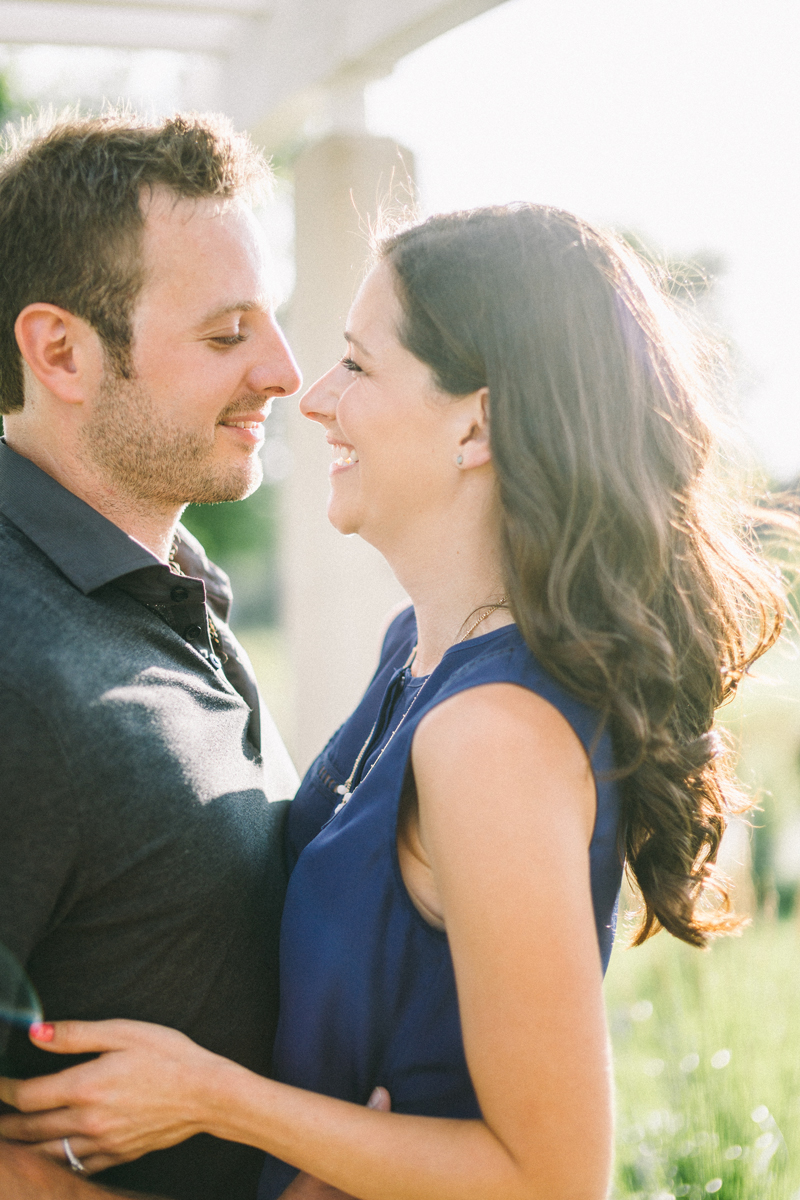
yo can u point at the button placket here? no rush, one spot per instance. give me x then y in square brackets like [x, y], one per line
[196, 632]
[180, 601]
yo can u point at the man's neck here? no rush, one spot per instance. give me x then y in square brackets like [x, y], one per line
[151, 527]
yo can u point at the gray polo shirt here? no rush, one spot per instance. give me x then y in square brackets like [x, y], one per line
[141, 872]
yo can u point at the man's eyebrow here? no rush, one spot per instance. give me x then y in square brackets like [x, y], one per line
[348, 337]
[241, 306]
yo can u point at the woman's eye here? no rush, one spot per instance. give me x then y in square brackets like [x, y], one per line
[349, 365]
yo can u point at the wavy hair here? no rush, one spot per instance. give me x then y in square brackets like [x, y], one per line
[631, 582]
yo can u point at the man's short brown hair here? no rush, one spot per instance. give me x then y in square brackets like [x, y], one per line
[71, 219]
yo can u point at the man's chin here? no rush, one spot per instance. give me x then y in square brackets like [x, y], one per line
[233, 486]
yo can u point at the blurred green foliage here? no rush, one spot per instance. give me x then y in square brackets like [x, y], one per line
[242, 527]
[12, 107]
[242, 538]
[7, 105]
[764, 720]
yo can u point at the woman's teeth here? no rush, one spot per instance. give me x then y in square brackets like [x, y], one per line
[347, 456]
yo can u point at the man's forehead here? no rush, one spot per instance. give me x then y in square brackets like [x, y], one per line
[214, 249]
[159, 202]
[179, 225]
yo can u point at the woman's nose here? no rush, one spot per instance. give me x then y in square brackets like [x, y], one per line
[319, 402]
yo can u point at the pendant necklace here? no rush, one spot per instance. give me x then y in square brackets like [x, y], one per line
[345, 790]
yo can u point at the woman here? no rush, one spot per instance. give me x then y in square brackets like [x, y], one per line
[517, 427]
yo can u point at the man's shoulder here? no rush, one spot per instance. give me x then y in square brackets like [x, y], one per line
[52, 631]
[36, 612]
[11, 535]
[23, 567]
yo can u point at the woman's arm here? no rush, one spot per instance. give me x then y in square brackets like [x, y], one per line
[506, 808]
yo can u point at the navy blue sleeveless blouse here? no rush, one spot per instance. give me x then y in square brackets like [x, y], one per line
[368, 994]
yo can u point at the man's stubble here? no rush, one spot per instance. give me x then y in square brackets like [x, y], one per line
[152, 462]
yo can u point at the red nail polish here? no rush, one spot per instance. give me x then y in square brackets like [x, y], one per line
[42, 1031]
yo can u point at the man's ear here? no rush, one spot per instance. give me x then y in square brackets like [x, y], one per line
[474, 449]
[62, 351]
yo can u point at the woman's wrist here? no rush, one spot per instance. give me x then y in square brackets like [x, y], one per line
[221, 1100]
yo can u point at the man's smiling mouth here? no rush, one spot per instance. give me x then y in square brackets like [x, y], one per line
[245, 428]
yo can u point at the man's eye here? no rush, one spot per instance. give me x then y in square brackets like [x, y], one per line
[233, 340]
[349, 365]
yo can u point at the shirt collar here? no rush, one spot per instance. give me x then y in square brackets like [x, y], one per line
[85, 546]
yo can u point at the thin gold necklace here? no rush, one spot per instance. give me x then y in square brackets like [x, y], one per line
[345, 790]
[490, 608]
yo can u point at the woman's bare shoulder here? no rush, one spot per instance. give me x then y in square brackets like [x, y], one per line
[498, 715]
[501, 743]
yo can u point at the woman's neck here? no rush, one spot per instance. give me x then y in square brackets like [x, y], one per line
[440, 626]
[451, 586]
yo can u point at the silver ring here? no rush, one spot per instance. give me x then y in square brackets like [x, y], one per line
[74, 1162]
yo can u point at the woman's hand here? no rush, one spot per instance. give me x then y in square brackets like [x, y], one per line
[144, 1093]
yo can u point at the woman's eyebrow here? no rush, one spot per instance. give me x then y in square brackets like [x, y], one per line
[348, 337]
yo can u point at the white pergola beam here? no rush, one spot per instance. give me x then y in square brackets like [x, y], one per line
[182, 26]
[290, 63]
[376, 43]
[229, 7]
[281, 60]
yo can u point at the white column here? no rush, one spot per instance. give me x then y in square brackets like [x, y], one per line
[336, 590]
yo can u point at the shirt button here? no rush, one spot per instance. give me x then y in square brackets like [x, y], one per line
[179, 593]
[192, 633]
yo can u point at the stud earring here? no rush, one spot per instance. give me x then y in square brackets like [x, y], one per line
[459, 459]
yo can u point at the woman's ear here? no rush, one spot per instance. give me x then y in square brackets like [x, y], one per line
[474, 448]
[61, 350]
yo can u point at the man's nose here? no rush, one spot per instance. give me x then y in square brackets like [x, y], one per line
[319, 402]
[276, 370]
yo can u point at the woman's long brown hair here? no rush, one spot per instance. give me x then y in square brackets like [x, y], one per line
[631, 582]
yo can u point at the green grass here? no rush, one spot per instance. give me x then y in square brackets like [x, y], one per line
[707, 1061]
[731, 1130]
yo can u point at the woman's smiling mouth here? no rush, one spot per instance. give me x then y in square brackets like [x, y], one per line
[346, 456]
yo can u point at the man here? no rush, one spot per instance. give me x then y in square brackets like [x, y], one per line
[141, 872]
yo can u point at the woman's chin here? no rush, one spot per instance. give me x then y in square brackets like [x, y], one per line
[342, 518]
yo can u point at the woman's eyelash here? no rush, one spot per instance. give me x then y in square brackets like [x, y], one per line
[233, 340]
[349, 365]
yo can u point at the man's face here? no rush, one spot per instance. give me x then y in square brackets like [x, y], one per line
[207, 358]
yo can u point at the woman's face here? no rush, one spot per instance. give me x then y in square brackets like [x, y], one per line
[394, 437]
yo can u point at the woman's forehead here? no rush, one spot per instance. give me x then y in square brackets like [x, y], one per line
[375, 312]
